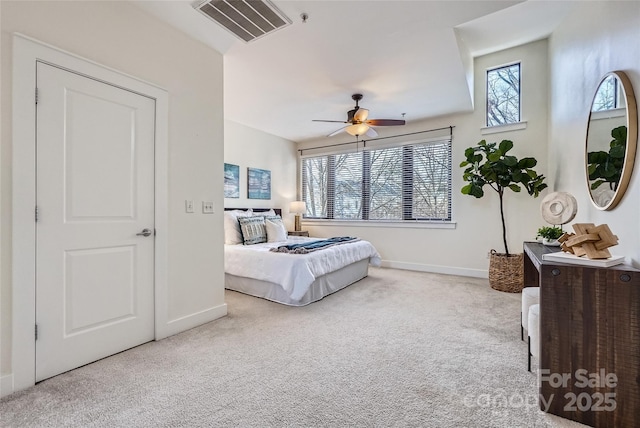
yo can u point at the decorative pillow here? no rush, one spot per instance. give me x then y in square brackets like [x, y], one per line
[253, 229]
[276, 231]
[232, 235]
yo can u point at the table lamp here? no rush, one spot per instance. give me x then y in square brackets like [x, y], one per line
[298, 208]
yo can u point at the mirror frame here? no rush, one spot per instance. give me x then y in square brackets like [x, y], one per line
[632, 140]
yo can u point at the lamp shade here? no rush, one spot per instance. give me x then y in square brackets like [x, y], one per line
[357, 129]
[298, 207]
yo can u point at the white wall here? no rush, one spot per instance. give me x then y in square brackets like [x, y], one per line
[248, 147]
[464, 249]
[121, 36]
[597, 37]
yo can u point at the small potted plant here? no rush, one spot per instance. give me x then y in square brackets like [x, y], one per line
[550, 235]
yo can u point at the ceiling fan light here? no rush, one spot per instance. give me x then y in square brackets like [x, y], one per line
[361, 115]
[357, 129]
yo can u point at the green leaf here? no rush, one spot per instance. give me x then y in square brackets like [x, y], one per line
[597, 184]
[511, 161]
[477, 191]
[526, 163]
[617, 152]
[494, 157]
[473, 190]
[505, 146]
[597, 157]
[620, 133]
[514, 187]
[469, 153]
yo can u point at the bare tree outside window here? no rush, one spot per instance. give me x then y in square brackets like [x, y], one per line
[432, 182]
[503, 95]
[606, 96]
[386, 184]
[411, 182]
[347, 202]
[315, 179]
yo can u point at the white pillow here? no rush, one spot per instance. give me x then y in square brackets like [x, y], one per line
[232, 235]
[276, 231]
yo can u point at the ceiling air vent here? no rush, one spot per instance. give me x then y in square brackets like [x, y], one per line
[247, 19]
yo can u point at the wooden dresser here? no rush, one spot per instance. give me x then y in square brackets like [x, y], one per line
[589, 340]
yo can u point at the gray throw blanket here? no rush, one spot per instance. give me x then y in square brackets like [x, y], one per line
[308, 247]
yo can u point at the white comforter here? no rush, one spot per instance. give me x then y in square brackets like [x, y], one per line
[294, 272]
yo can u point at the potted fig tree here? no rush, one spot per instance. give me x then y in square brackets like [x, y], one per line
[491, 164]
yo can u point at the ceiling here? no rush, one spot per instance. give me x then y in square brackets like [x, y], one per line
[403, 56]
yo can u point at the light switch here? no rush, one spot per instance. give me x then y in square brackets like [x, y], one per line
[207, 207]
[188, 206]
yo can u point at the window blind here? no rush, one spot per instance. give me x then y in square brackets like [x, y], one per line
[406, 182]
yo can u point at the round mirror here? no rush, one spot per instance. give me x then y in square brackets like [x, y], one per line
[612, 135]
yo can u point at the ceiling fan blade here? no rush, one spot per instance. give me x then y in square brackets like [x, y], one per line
[330, 121]
[338, 131]
[371, 133]
[361, 115]
[385, 122]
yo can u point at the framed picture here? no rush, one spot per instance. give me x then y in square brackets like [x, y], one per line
[231, 181]
[258, 183]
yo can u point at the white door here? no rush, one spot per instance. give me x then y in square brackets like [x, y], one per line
[95, 195]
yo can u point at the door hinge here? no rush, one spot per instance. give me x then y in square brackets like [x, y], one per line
[36, 331]
[36, 213]
[36, 95]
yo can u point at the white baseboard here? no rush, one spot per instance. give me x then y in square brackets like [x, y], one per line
[448, 270]
[6, 385]
[193, 320]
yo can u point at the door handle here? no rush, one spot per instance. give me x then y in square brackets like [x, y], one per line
[145, 232]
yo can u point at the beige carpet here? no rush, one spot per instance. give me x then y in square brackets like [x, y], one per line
[396, 349]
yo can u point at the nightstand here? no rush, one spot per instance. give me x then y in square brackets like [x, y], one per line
[298, 233]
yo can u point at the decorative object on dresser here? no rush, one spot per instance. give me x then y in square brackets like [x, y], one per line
[298, 208]
[492, 165]
[590, 240]
[589, 339]
[557, 208]
[550, 235]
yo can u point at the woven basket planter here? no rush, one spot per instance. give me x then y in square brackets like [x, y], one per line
[506, 273]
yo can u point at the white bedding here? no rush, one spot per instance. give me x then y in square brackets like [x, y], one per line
[294, 272]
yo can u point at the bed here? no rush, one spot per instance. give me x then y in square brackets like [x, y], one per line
[294, 279]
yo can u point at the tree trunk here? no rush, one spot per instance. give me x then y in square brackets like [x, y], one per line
[504, 227]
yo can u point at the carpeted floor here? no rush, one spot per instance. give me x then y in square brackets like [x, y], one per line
[397, 349]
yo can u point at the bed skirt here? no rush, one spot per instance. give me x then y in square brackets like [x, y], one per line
[321, 287]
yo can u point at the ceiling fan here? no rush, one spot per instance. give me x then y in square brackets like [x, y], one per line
[358, 123]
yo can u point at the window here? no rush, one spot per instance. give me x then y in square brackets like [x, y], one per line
[608, 95]
[411, 182]
[503, 95]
